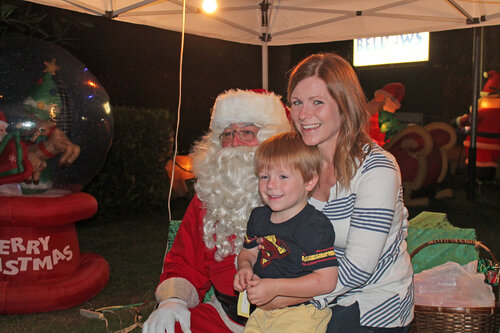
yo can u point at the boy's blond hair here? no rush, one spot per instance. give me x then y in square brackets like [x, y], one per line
[288, 150]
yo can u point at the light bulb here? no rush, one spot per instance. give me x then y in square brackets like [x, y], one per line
[209, 6]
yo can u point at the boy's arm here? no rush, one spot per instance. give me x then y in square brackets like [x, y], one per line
[246, 260]
[280, 302]
[247, 257]
[319, 282]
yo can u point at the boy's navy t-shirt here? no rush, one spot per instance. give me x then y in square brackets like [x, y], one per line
[292, 248]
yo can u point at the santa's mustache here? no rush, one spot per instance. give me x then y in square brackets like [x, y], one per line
[232, 171]
[225, 155]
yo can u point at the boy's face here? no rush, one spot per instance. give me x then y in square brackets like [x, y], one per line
[284, 191]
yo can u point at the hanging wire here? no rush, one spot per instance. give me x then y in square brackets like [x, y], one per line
[178, 110]
[135, 309]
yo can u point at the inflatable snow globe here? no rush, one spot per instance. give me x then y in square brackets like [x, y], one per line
[56, 128]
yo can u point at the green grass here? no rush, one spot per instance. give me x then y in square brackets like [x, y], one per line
[134, 247]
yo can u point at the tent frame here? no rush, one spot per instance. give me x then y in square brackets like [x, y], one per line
[266, 34]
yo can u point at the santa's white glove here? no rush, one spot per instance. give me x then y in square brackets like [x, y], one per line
[169, 311]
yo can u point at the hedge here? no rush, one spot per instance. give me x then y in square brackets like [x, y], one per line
[133, 178]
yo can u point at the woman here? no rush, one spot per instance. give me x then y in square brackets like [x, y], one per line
[360, 192]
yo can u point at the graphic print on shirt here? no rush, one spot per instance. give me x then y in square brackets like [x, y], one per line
[273, 249]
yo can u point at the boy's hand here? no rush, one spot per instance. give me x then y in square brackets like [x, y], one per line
[261, 291]
[242, 278]
[260, 240]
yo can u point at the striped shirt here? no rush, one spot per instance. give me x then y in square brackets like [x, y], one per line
[370, 222]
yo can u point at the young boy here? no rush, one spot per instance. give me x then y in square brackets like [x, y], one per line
[296, 257]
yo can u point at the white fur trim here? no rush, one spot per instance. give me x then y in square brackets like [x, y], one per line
[178, 288]
[3, 123]
[233, 327]
[483, 145]
[245, 106]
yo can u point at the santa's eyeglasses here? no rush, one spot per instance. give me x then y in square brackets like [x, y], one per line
[245, 135]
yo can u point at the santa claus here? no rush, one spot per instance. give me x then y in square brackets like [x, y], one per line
[211, 233]
[488, 127]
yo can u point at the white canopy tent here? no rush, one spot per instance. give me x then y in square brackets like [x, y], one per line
[295, 21]
[287, 22]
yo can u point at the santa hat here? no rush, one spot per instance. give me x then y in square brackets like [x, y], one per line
[394, 92]
[3, 119]
[492, 86]
[261, 107]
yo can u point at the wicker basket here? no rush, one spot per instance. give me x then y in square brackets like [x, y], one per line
[450, 319]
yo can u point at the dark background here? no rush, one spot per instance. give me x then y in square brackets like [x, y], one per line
[139, 66]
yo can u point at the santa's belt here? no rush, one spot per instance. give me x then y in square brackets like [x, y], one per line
[230, 306]
[493, 135]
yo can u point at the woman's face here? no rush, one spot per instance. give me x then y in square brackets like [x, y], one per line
[315, 112]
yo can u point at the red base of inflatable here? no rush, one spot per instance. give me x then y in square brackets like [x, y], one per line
[57, 293]
[41, 267]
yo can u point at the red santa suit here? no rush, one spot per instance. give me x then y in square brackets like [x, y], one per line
[211, 232]
[488, 122]
[374, 130]
[190, 259]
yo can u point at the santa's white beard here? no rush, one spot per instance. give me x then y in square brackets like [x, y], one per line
[227, 186]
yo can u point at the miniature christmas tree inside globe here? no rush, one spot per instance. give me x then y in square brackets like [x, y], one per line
[56, 123]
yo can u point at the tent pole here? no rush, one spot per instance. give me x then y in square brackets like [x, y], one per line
[476, 60]
[265, 38]
[265, 73]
